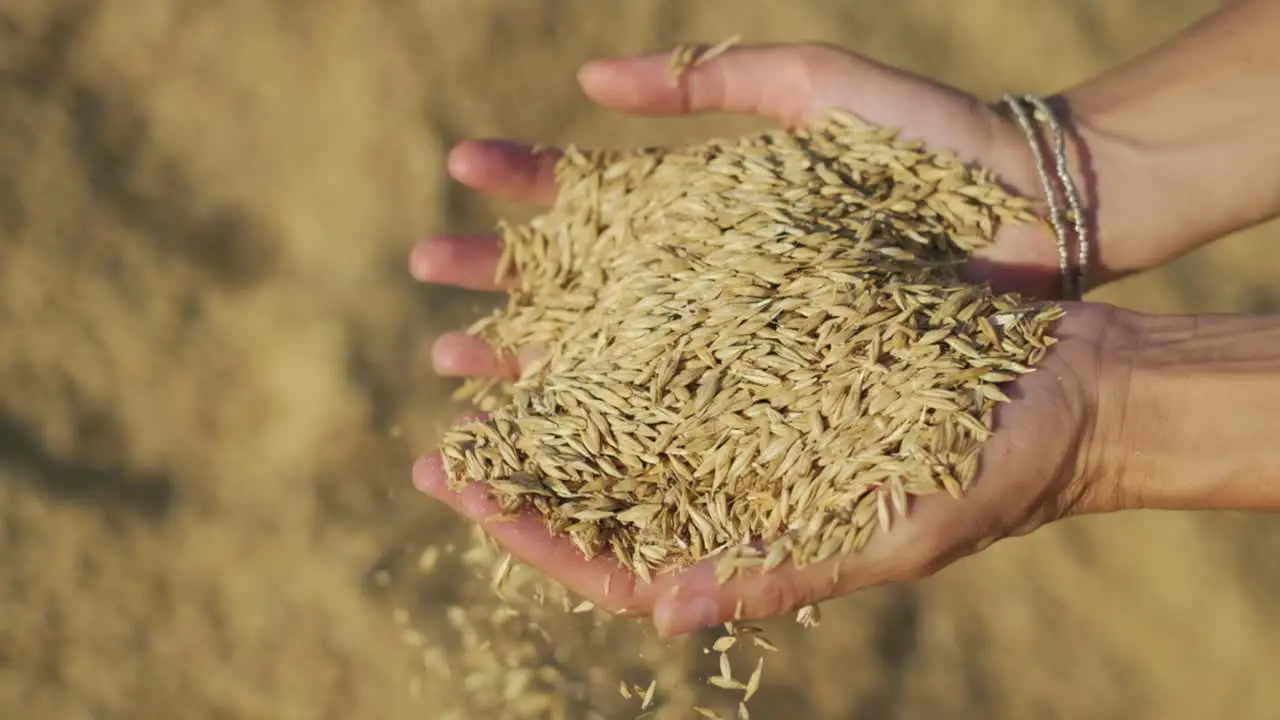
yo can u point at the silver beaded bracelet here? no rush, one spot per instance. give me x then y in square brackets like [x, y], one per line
[1024, 109]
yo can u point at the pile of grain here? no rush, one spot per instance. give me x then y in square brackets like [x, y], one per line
[762, 338]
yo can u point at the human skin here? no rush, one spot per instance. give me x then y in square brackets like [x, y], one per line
[1128, 412]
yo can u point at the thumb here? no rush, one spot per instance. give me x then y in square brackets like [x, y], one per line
[910, 549]
[775, 81]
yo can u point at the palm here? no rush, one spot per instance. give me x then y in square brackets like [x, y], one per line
[792, 85]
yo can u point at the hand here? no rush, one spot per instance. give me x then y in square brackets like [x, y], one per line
[1043, 463]
[1033, 464]
[790, 84]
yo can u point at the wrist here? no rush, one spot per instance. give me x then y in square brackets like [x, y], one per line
[1186, 416]
[1098, 167]
[1102, 474]
[1182, 139]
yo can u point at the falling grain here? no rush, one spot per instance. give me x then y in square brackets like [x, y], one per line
[753, 683]
[647, 700]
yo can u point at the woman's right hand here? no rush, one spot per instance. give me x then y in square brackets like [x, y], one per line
[1046, 461]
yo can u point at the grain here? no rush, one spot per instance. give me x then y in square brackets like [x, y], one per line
[753, 683]
[688, 56]
[647, 700]
[759, 339]
[756, 348]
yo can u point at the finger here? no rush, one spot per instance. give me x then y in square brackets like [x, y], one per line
[466, 262]
[599, 579]
[774, 81]
[506, 169]
[457, 354]
[468, 417]
[699, 602]
[910, 549]
[1022, 259]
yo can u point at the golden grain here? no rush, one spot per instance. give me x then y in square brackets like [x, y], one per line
[688, 56]
[759, 348]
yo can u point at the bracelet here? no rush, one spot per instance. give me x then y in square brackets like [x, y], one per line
[1073, 275]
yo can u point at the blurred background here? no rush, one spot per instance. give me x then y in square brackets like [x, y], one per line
[213, 381]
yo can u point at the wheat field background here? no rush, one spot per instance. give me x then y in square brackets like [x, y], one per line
[213, 373]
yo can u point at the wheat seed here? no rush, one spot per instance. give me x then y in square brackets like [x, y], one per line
[688, 56]
[757, 348]
[754, 339]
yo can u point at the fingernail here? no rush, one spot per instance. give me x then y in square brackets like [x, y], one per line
[428, 473]
[679, 617]
[466, 418]
[425, 260]
[600, 70]
[586, 70]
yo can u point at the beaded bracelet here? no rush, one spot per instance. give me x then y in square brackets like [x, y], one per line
[1073, 275]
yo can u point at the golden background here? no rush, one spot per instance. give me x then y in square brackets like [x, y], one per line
[213, 373]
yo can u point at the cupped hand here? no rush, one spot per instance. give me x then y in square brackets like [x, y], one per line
[1035, 468]
[1043, 463]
